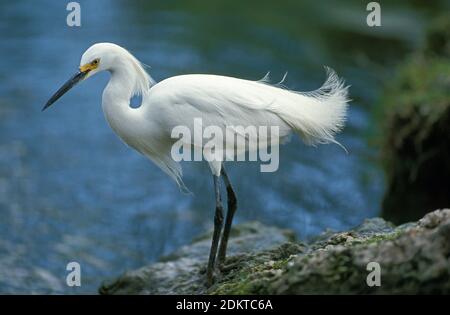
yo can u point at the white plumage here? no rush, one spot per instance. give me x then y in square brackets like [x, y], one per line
[218, 100]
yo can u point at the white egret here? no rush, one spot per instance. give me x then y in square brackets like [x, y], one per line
[218, 100]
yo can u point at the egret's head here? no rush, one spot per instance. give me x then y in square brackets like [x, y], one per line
[98, 57]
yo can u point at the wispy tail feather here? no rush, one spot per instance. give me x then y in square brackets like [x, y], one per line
[317, 116]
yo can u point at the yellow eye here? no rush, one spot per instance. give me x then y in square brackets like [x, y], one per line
[95, 62]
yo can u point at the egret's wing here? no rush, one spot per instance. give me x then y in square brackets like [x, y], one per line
[222, 101]
[226, 103]
[232, 104]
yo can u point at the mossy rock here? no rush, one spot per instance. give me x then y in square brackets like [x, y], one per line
[183, 272]
[414, 122]
[251, 274]
[413, 259]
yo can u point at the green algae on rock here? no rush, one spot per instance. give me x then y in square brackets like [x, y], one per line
[413, 258]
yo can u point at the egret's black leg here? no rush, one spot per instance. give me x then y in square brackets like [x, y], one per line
[232, 206]
[218, 222]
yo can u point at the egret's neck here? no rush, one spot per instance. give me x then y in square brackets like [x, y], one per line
[127, 80]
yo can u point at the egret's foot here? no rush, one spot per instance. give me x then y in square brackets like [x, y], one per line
[232, 262]
[221, 257]
[209, 280]
[211, 277]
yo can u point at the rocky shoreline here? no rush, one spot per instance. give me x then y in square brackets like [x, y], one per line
[414, 258]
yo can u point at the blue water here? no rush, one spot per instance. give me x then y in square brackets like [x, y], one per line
[71, 191]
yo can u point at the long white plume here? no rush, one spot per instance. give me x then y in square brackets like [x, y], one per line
[317, 115]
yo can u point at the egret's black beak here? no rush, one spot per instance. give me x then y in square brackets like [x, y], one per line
[66, 87]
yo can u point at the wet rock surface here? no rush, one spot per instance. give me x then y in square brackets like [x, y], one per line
[183, 272]
[414, 258]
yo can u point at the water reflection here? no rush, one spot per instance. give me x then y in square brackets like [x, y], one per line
[70, 190]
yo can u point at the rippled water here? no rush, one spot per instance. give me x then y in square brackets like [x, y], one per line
[71, 191]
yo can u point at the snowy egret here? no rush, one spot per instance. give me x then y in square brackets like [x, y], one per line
[218, 100]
